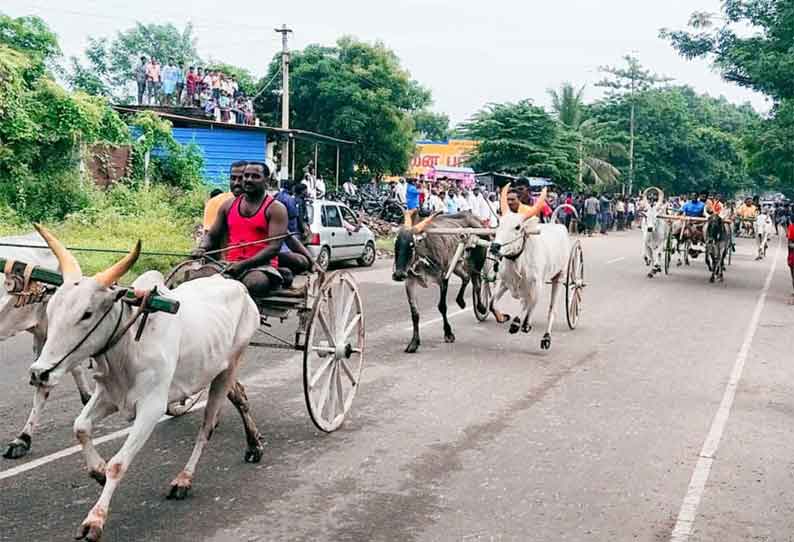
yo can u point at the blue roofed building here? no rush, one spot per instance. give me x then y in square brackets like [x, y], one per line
[221, 144]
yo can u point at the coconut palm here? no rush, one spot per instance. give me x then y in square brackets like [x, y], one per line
[594, 148]
[568, 105]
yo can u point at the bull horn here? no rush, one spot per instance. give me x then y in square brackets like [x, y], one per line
[419, 228]
[503, 206]
[536, 207]
[66, 261]
[409, 217]
[113, 273]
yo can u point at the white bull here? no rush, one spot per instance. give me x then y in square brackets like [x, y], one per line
[764, 228]
[177, 356]
[654, 233]
[33, 319]
[528, 259]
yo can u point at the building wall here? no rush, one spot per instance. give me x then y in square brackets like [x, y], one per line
[221, 146]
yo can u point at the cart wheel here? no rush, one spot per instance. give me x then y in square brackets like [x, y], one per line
[668, 254]
[333, 356]
[485, 292]
[574, 284]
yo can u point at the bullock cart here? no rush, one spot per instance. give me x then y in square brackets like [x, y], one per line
[469, 238]
[329, 333]
[678, 242]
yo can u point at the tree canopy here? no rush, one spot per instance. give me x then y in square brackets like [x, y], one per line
[522, 138]
[353, 90]
[430, 125]
[751, 43]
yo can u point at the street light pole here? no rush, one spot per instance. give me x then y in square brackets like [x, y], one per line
[285, 32]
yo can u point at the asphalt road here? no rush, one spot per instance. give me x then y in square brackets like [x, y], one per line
[489, 438]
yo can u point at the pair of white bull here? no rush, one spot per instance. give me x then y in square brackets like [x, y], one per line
[177, 356]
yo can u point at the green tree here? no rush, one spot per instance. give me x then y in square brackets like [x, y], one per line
[44, 127]
[430, 125]
[630, 79]
[353, 90]
[760, 59]
[677, 148]
[32, 37]
[568, 104]
[751, 44]
[522, 138]
[594, 145]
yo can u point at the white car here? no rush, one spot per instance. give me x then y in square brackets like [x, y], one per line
[337, 235]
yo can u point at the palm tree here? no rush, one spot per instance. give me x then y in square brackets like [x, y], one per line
[594, 147]
[568, 105]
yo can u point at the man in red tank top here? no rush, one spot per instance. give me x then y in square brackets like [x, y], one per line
[253, 216]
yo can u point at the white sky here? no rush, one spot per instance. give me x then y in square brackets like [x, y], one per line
[467, 52]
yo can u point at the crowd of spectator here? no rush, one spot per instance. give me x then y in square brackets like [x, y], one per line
[169, 84]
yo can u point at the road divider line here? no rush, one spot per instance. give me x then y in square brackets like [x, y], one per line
[697, 484]
[437, 320]
[66, 452]
[616, 260]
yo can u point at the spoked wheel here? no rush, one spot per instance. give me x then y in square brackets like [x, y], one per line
[574, 284]
[485, 293]
[333, 357]
[668, 254]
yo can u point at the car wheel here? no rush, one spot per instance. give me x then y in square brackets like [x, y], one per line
[368, 258]
[324, 259]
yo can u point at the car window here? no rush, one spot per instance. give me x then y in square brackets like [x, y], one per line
[348, 216]
[331, 218]
[310, 213]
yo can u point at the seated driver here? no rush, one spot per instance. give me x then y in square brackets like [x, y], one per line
[253, 216]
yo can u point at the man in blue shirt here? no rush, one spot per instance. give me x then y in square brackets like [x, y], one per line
[693, 207]
[296, 263]
[411, 195]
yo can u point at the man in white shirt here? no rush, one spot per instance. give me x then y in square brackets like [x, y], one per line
[463, 201]
[311, 188]
[319, 187]
[349, 188]
[401, 189]
[433, 203]
[479, 205]
[493, 203]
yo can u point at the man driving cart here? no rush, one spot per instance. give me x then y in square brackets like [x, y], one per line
[243, 222]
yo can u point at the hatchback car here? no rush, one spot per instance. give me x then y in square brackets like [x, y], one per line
[337, 235]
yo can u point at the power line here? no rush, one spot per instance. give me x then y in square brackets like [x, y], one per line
[267, 84]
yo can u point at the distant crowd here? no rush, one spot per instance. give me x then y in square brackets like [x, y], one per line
[218, 94]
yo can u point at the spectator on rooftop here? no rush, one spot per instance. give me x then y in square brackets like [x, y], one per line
[140, 79]
[153, 81]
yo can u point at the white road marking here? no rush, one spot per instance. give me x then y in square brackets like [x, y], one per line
[697, 484]
[616, 260]
[437, 320]
[253, 378]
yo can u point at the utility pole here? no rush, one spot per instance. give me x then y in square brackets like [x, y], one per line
[285, 32]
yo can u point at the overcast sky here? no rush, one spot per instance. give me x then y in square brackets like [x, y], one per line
[467, 52]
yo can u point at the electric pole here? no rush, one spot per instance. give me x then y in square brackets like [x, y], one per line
[285, 32]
